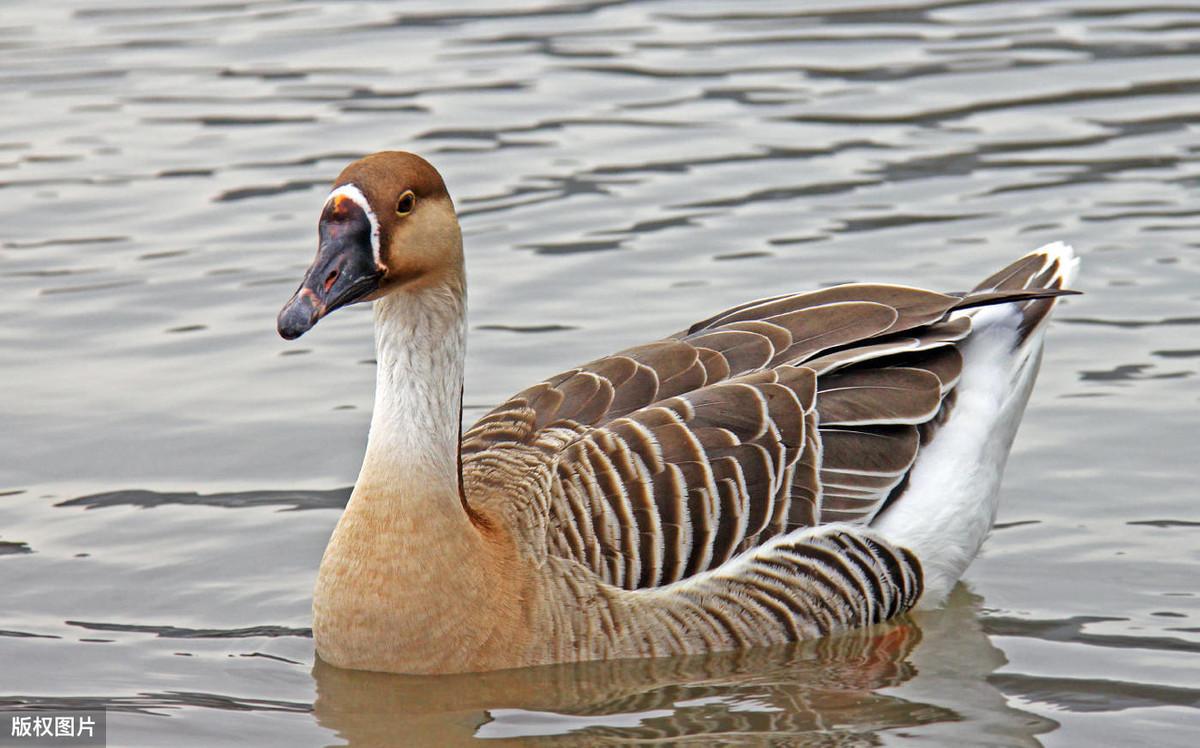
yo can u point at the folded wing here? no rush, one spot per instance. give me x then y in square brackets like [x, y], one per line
[669, 459]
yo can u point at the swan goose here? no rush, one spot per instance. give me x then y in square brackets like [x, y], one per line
[788, 468]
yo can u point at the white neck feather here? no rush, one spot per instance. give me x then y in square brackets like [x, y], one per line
[420, 346]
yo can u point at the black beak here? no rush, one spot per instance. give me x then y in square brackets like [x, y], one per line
[343, 273]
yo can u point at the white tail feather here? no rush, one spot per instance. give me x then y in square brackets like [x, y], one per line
[951, 500]
[1068, 262]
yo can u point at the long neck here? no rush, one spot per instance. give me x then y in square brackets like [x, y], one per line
[420, 345]
[409, 581]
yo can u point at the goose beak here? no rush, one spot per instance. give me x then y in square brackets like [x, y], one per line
[344, 272]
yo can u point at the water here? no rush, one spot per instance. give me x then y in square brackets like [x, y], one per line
[170, 469]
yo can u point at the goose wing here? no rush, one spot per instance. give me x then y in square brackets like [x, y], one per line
[748, 338]
[669, 459]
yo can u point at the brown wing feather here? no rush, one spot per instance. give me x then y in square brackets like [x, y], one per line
[668, 459]
[712, 462]
[758, 335]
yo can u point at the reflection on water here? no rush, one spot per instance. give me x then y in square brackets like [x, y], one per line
[794, 691]
[622, 170]
[847, 690]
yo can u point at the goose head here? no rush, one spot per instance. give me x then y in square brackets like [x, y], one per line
[387, 226]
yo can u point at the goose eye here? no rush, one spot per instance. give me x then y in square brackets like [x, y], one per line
[406, 203]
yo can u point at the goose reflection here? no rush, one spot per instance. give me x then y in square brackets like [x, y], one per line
[923, 674]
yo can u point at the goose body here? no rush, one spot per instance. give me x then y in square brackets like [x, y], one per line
[782, 470]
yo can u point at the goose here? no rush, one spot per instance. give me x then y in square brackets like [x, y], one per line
[783, 470]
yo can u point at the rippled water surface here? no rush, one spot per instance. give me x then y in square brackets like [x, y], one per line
[170, 469]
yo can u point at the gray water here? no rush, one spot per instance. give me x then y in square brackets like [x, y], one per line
[170, 469]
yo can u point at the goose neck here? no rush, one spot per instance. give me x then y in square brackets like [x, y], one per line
[415, 428]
